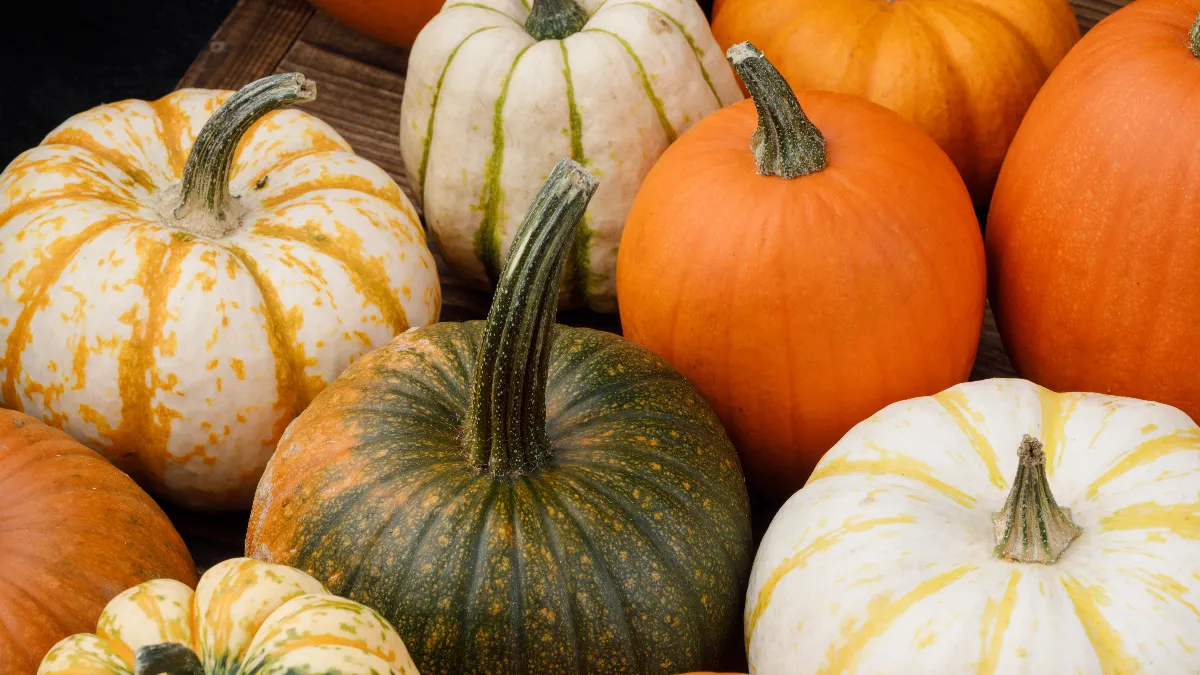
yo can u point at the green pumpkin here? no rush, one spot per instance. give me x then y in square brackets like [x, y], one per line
[516, 496]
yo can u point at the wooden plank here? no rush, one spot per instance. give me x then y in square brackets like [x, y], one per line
[1090, 12]
[252, 41]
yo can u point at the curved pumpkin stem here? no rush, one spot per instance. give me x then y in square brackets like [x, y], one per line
[1032, 527]
[505, 431]
[555, 19]
[168, 658]
[205, 207]
[1194, 37]
[786, 143]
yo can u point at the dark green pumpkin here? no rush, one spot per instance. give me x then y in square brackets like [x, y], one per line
[516, 496]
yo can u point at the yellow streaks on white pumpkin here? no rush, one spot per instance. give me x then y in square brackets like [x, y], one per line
[1182, 520]
[81, 139]
[367, 275]
[1056, 411]
[956, 404]
[890, 464]
[1164, 588]
[880, 613]
[1110, 649]
[34, 296]
[801, 558]
[388, 193]
[1147, 452]
[321, 143]
[170, 131]
[294, 388]
[143, 424]
[996, 618]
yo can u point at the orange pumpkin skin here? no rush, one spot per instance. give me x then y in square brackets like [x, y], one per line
[395, 22]
[74, 532]
[1092, 239]
[965, 71]
[801, 307]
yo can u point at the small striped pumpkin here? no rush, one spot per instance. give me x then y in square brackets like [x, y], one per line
[995, 528]
[498, 91]
[244, 617]
[519, 498]
[177, 288]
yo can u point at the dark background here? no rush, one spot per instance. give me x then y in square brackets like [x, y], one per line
[61, 57]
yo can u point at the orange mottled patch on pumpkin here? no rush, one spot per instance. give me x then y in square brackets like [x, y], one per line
[34, 297]
[368, 274]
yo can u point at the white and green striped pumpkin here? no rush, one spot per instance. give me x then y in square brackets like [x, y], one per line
[499, 90]
[902, 555]
[244, 617]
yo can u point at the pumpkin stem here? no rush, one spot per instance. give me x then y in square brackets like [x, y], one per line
[1194, 37]
[167, 658]
[505, 431]
[786, 143]
[204, 205]
[1032, 527]
[555, 19]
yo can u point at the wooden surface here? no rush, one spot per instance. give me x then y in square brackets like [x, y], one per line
[360, 86]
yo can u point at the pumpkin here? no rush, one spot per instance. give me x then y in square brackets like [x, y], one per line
[245, 616]
[179, 284]
[515, 496]
[395, 22]
[964, 71]
[74, 532]
[1092, 244]
[806, 283]
[497, 93]
[996, 527]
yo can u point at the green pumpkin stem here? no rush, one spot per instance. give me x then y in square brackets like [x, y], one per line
[505, 431]
[555, 19]
[167, 658]
[204, 206]
[1194, 37]
[786, 143]
[1032, 527]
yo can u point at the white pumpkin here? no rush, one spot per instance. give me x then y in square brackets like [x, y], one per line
[496, 95]
[244, 617]
[179, 340]
[889, 560]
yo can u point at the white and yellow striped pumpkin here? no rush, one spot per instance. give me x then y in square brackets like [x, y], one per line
[498, 91]
[181, 339]
[890, 559]
[244, 617]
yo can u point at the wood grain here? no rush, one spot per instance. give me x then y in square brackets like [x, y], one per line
[249, 44]
[1091, 12]
[360, 89]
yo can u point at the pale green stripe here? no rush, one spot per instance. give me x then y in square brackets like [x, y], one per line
[487, 244]
[654, 100]
[582, 267]
[692, 42]
[427, 141]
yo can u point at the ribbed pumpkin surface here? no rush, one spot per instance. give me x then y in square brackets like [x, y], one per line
[627, 553]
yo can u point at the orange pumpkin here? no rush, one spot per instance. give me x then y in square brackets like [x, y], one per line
[802, 287]
[1092, 239]
[395, 22]
[964, 70]
[74, 532]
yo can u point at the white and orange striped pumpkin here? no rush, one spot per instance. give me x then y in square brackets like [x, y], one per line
[244, 617]
[180, 339]
[900, 555]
